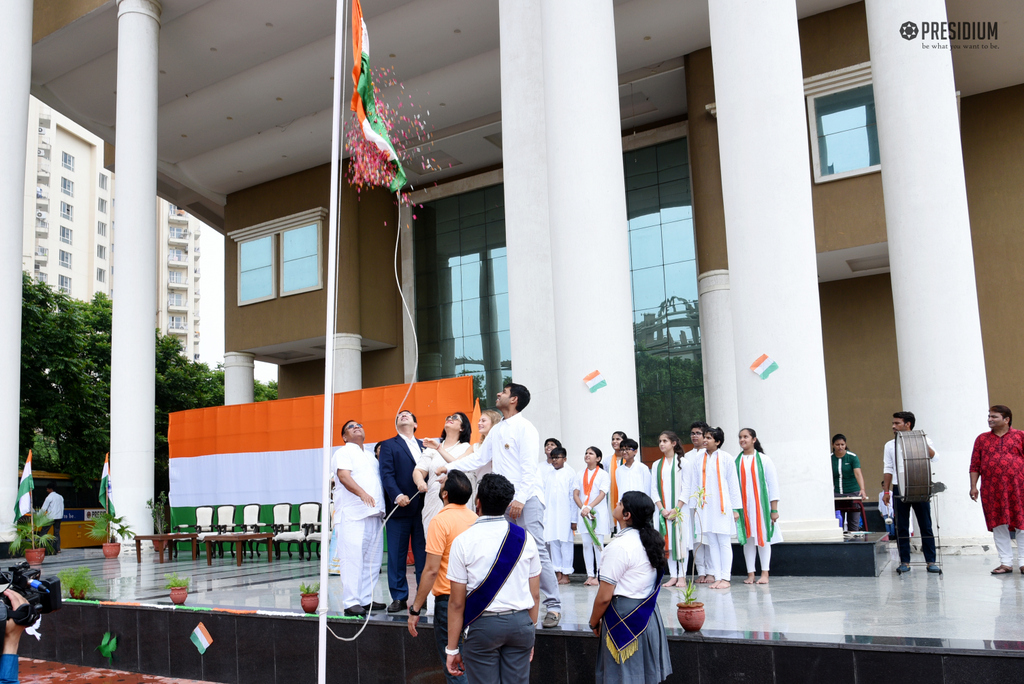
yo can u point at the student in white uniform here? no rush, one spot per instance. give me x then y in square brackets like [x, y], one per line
[559, 514]
[759, 489]
[359, 503]
[632, 475]
[546, 467]
[694, 457]
[590, 492]
[722, 505]
[671, 484]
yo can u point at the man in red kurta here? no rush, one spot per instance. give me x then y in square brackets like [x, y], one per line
[998, 459]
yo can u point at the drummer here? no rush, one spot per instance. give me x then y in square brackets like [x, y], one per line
[903, 421]
[847, 478]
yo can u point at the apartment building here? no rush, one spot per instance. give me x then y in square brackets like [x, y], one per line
[178, 273]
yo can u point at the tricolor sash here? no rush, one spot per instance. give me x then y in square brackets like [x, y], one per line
[509, 552]
[589, 524]
[667, 527]
[761, 510]
[624, 631]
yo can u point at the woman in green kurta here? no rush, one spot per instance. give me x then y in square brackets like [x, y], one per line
[847, 477]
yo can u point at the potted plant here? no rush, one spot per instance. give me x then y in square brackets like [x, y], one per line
[28, 540]
[110, 528]
[689, 612]
[178, 587]
[310, 596]
[77, 582]
[159, 521]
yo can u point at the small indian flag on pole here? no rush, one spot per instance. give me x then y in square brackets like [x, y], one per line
[201, 638]
[105, 488]
[764, 366]
[23, 506]
[595, 381]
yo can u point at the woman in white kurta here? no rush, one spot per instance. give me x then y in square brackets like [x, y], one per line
[590, 492]
[559, 514]
[453, 445]
[759, 489]
[670, 484]
[717, 517]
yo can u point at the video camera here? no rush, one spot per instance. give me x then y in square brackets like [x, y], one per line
[43, 595]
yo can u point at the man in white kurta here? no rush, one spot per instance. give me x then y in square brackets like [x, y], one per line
[717, 477]
[694, 457]
[359, 516]
[560, 514]
[632, 475]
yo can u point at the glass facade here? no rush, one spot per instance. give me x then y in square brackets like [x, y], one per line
[663, 266]
[847, 133]
[462, 321]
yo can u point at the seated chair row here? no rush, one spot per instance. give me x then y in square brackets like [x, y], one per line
[283, 529]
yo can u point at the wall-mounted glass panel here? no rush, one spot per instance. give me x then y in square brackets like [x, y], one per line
[256, 269]
[846, 131]
[300, 259]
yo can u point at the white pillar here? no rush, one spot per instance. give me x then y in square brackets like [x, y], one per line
[527, 235]
[718, 352]
[348, 362]
[133, 353]
[762, 137]
[930, 254]
[239, 378]
[16, 58]
[589, 242]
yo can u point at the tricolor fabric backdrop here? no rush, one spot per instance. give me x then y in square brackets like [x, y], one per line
[271, 452]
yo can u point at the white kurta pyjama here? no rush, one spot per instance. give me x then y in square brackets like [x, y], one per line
[750, 517]
[662, 492]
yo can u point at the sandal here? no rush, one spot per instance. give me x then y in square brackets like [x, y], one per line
[1003, 570]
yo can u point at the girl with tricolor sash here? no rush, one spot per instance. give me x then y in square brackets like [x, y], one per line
[671, 483]
[633, 647]
[618, 437]
[590, 492]
[759, 489]
[721, 506]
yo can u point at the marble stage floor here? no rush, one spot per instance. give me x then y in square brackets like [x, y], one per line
[964, 603]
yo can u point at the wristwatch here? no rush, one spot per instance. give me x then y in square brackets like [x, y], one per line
[415, 612]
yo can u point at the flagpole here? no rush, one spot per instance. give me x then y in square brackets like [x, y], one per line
[337, 141]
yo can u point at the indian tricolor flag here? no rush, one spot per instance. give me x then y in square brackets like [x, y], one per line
[594, 381]
[23, 505]
[764, 366]
[364, 103]
[201, 638]
[105, 488]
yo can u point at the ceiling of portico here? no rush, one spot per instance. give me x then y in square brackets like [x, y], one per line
[245, 85]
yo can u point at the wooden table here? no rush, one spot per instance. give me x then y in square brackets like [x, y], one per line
[852, 503]
[239, 541]
[172, 538]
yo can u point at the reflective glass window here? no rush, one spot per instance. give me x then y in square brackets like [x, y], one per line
[847, 133]
[300, 263]
[256, 269]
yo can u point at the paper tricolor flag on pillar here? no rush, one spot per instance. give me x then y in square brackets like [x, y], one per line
[764, 366]
[201, 638]
[364, 103]
[595, 381]
[23, 505]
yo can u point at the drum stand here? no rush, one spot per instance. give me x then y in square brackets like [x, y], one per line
[933, 504]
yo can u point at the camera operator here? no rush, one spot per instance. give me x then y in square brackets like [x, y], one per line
[12, 637]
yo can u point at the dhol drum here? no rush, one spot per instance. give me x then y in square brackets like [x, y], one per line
[913, 467]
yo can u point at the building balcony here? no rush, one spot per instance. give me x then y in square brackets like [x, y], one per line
[196, 293]
[196, 274]
[43, 167]
[180, 239]
[42, 255]
[196, 231]
[43, 143]
[42, 193]
[42, 228]
[177, 307]
[177, 260]
[176, 284]
[177, 330]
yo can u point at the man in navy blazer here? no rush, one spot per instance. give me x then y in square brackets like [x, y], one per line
[398, 457]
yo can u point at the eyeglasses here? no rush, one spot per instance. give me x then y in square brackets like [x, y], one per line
[697, 434]
[628, 449]
[351, 425]
[453, 418]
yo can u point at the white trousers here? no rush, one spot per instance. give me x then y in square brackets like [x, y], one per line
[361, 549]
[677, 568]
[700, 558]
[1003, 545]
[561, 553]
[765, 552]
[719, 555]
[592, 554]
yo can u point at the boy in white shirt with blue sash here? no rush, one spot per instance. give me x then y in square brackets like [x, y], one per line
[494, 570]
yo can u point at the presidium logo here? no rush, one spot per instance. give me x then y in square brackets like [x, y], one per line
[970, 35]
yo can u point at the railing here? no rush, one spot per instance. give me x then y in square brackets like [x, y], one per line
[43, 167]
[42, 192]
[42, 253]
[178, 328]
[172, 304]
[176, 259]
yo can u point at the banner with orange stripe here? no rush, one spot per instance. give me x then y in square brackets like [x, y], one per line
[270, 452]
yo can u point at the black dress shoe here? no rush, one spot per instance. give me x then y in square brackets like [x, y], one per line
[355, 611]
[398, 606]
[373, 607]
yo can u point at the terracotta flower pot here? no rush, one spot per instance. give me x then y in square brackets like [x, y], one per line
[35, 556]
[112, 550]
[690, 616]
[310, 602]
[76, 594]
[178, 595]
[159, 545]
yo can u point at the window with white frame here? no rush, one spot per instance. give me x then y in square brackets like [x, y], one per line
[66, 235]
[256, 270]
[101, 252]
[101, 275]
[176, 276]
[40, 277]
[300, 263]
[178, 232]
[102, 205]
[67, 212]
[63, 284]
[176, 322]
[65, 259]
[841, 115]
[101, 228]
[176, 299]
[103, 181]
[176, 255]
[67, 187]
[68, 161]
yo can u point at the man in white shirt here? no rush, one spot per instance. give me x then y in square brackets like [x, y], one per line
[513, 449]
[499, 643]
[632, 475]
[695, 456]
[359, 516]
[53, 507]
[903, 421]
